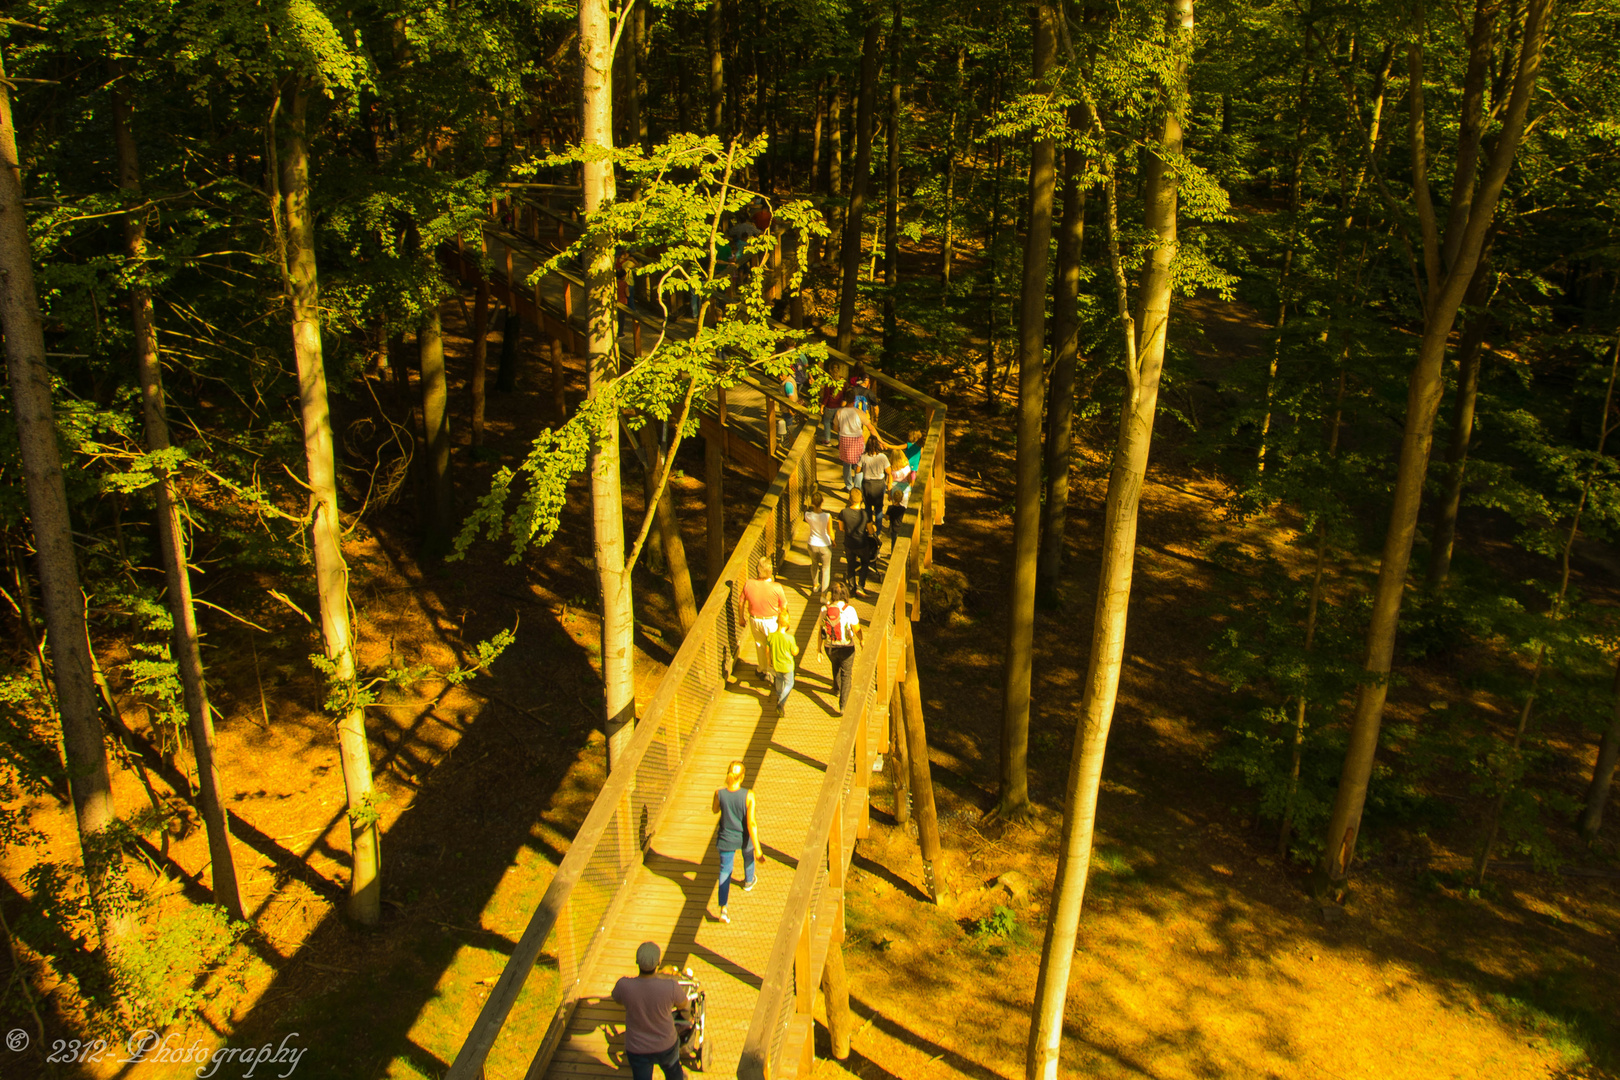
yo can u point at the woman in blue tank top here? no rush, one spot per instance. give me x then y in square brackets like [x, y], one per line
[739, 831]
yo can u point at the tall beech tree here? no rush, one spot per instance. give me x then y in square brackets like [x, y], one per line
[1017, 661]
[865, 116]
[72, 672]
[187, 649]
[596, 43]
[1449, 260]
[297, 226]
[1065, 361]
[1144, 338]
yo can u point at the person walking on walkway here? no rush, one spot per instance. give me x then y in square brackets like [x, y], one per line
[837, 632]
[852, 523]
[739, 831]
[851, 428]
[820, 544]
[783, 651]
[874, 476]
[649, 1001]
[763, 603]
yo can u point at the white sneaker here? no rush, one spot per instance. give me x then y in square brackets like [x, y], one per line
[723, 916]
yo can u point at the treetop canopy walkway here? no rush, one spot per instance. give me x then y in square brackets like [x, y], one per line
[641, 867]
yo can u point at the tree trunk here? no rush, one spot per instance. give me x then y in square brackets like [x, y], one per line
[1470, 358]
[48, 513]
[1065, 358]
[1144, 360]
[865, 113]
[511, 339]
[669, 537]
[635, 38]
[717, 68]
[835, 173]
[326, 530]
[1597, 793]
[171, 537]
[891, 221]
[1445, 294]
[815, 134]
[436, 421]
[948, 241]
[480, 359]
[1017, 667]
[607, 502]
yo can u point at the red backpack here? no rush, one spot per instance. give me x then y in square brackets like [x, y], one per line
[833, 630]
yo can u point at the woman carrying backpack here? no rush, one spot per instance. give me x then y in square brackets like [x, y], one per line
[838, 629]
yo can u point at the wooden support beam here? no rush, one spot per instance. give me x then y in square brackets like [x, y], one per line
[559, 399]
[922, 779]
[835, 991]
[714, 498]
[899, 766]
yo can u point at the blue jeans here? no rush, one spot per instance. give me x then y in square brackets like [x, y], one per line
[849, 473]
[784, 687]
[641, 1065]
[727, 861]
[827, 422]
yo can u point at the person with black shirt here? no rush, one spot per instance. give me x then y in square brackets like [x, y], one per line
[852, 523]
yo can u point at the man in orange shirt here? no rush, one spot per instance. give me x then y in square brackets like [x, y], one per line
[763, 603]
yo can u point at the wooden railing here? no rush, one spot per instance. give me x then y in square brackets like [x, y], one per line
[584, 896]
[780, 1035]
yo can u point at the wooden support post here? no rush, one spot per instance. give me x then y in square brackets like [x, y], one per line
[898, 766]
[559, 400]
[804, 986]
[922, 779]
[835, 990]
[770, 426]
[714, 467]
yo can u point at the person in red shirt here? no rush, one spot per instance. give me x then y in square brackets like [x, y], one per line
[762, 216]
[763, 603]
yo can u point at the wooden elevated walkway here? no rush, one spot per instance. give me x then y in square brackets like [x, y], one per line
[672, 896]
[643, 866]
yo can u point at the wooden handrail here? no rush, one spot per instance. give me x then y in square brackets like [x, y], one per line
[715, 613]
[777, 986]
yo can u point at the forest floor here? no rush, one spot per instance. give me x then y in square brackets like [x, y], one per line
[1201, 954]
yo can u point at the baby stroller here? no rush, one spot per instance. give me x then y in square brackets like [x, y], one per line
[689, 1029]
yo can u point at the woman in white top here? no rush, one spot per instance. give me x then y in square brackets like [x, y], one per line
[874, 477]
[837, 631]
[820, 544]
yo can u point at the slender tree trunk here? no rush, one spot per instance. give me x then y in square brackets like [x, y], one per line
[865, 114]
[607, 503]
[669, 536]
[635, 34]
[1065, 358]
[480, 359]
[436, 420]
[326, 530]
[1470, 358]
[1445, 294]
[891, 220]
[171, 537]
[815, 134]
[511, 338]
[1284, 275]
[1597, 793]
[1017, 666]
[1144, 361]
[60, 596]
[993, 233]
[717, 69]
[835, 172]
[947, 245]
